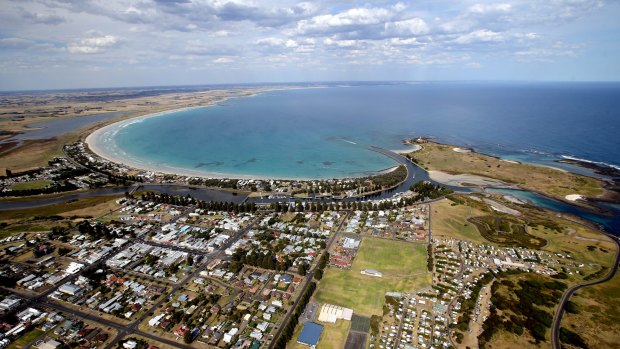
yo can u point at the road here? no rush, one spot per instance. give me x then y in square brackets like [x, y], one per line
[307, 280]
[557, 319]
[401, 323]
[123, 330]
[133, 326]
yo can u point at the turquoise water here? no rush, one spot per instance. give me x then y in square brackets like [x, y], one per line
[325, 132]
[610, 222]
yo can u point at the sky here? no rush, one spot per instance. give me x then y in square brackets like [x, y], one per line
[55, 44]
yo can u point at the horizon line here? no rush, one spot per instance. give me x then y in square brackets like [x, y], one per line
[267, 83]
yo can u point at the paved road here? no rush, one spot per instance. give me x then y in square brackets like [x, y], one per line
[307, 280]
[41, 299]
[557, 319]
[133, 326]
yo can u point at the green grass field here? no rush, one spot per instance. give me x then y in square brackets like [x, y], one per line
[546, 180]
[25, 339]
[38, 184]
[23, 219]
[448, 220]
[403, 266]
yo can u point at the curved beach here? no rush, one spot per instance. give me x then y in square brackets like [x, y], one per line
[101, 142]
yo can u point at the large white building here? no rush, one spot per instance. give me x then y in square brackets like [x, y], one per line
[330, 313]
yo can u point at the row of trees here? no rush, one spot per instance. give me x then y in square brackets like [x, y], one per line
[289, 328]
[257, 259]
[178, 200]
[345, 205]
[318, 273]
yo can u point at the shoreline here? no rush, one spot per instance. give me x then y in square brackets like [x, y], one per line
[94, 140]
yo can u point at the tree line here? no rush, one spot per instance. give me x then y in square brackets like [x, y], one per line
[179, 200]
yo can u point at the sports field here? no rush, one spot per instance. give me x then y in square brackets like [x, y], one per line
[403, 266]
[38, 184]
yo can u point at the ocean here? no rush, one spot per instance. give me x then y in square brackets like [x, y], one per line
[325, 132]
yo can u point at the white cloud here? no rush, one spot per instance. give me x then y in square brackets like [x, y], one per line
[93, 44]
[490, 8]
[344, 20]
[348, 44]
[278, 42]
[482, 35]
[223, 60]
[404, 42]
[270, 41]
[409, 27]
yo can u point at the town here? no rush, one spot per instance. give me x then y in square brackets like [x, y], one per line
[80, 168]
[151, 273]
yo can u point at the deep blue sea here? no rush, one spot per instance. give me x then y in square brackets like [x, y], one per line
[325, 132]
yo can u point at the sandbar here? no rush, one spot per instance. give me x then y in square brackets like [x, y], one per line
[460, 179]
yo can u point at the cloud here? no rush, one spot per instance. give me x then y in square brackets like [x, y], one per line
[482, 35]
[490, 8]
[404, 42]
[15, 43]
[190, 15]
[406, 28]
[350, 20]
[346, 44]
[41, 18]
[188, 34]
[548, 54]
[93, 44]
[277, 42]
[202, 48]
[223, 60]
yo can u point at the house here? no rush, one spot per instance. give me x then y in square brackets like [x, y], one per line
[70, 289]
[130, 344]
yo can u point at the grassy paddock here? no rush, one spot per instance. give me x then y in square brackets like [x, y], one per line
[38, 184]
[452, 221]
[597, 318]
[22, 341]
[546, 180]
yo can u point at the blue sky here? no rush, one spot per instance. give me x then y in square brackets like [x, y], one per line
[102, 43]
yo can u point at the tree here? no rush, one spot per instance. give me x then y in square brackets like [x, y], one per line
[302, 269]
[187, 336]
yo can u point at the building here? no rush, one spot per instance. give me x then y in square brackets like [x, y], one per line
[331, 313]
[372, 272]
[310, 334]
[51, 344]
[350, 243]
[9, 303]
[70, 289]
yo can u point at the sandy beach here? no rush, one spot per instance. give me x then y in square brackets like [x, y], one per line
[574, 197]
[460, 179]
